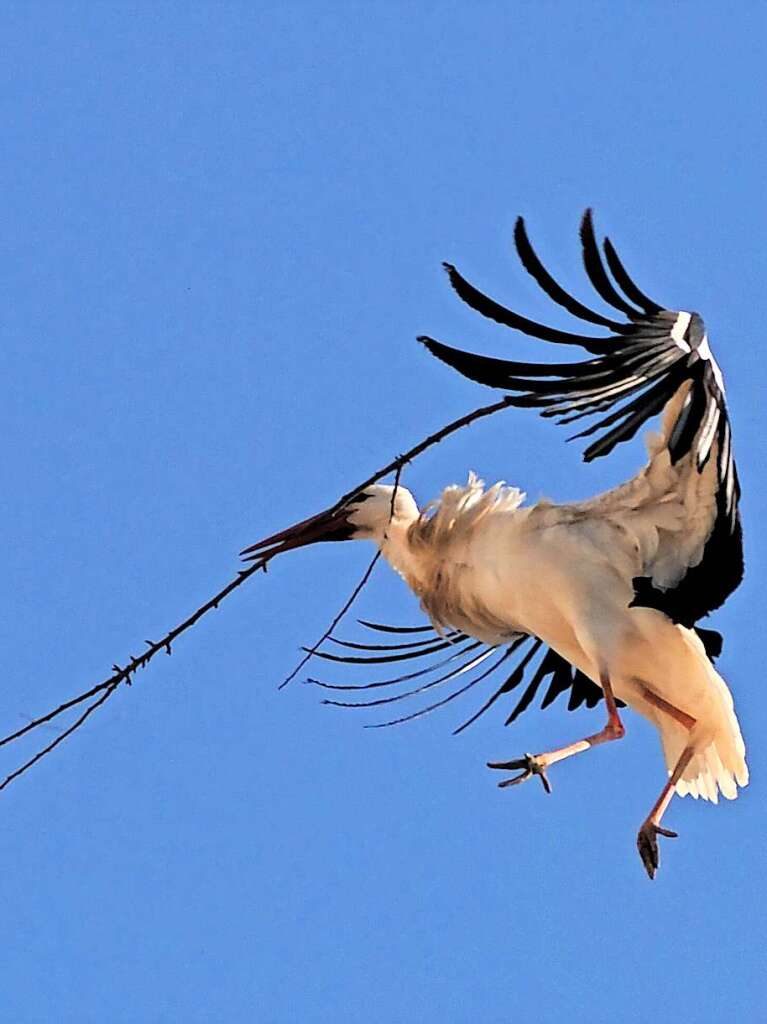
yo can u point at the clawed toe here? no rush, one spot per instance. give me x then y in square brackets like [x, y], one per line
[530, 765]
[647, 844]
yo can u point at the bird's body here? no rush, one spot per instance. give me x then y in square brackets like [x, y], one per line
[611, 589]
[492, 569]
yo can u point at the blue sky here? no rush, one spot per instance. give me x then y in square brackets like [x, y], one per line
[222, 227]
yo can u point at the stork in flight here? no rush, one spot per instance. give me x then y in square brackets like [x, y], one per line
[606, 592]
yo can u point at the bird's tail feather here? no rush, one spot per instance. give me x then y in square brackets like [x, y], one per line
[719, 763]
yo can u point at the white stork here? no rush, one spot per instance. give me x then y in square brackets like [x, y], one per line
[606, 592]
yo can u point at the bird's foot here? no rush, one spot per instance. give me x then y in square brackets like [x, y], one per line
[530, 764]
[647, 844]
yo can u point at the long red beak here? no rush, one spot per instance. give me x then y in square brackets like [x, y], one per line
[332, 524]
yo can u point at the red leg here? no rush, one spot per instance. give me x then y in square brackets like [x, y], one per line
[647, 840]
[536, 764]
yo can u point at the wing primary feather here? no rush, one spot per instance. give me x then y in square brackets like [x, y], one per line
[394, 697]
[548, 663]
[532, 264]
[586, 368]
[380, 627]
[561, 680]
[514, 679]
[596, 271]
[495, 311]
[440, 703]
[583, 380]
[504, 688]
[585, 691]
[391, 647]
[381, 659]
[398, 679]
[628, 287]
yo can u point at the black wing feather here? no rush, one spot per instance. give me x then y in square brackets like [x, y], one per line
[495, 311]
[626, 284]
[555, 291]
[596, 271]
[549, 664]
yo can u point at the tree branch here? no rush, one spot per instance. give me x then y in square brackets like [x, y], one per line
[120, 675]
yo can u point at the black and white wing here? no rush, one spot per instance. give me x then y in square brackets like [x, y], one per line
[432, 670]
[441, 668]
[652, 359]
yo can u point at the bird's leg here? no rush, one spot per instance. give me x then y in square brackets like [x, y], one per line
[647, 840]
[536, 764]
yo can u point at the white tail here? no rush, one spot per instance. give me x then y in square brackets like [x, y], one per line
[719, 763]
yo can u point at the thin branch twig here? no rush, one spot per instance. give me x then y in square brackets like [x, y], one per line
[311, 651]
[123, 674]
[60, 739]
[352, 598]
[422, 446]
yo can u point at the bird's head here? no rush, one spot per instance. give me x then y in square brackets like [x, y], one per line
[367, 515]
[374, 510]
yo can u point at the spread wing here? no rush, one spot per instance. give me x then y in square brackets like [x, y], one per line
[652, 359]
[451, 665]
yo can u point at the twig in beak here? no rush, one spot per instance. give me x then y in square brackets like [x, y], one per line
[352, 598]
